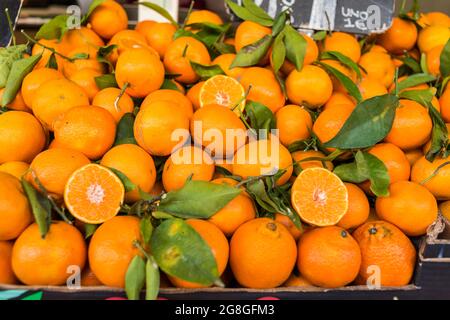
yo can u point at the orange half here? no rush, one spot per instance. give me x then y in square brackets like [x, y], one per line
[94, 194]
[225, 91]
[319, 197]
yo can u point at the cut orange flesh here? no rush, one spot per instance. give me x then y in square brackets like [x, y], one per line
[94, 194]
[319, 197]
[223, 90]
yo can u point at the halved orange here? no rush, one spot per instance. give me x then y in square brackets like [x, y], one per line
[223, 90]
[319, 197]
[94, 194]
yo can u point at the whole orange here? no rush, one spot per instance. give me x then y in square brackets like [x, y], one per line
[159, 36]
[294, 123]
[379, 66]
[424, 172]
[343, 43]
[358, 208]
[108, 18]
[400, 37]
[34, 80]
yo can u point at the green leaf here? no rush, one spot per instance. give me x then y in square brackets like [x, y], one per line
[423, 63]
[279, 24]
[278, 52]
[53, 29]
[94, 4]
[415, 80]
[146, 229]
[256, 10]
[169, 84]
[349, 172]
[135, 278]
[445, 60]
[19, 69]
[106, 81]
[163, 12]
[40, 206]
[349, 85]
[261, 117]
[52, 63]
[152, 279]
[246, 14]
[206, 72]
[127, 183]
[224, 48]
[346, 61]
[295, 46]
[125, 133]
[412, 64]
[80, 56]
[198, 199]
[375, 170]
[7, 58]
[252, 54]
[319, 35]
[210, 27]
[89, 229]
[181, 252]
[368, 124]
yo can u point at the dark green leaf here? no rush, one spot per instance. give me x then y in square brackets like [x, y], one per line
[198, 199]
[412, 64]
[278, 52]
[125, 133]
[89, 229]
[224, 48]
[163, 12]
[7, 58]
[80, 56]
[152, 279]
[368, 124]
[206, 72]
[40, 206]
[415, 80]
[94, 4]
[211, 27]
[261, 117]
[349, 172]
[252, 54]
[135, 278]
[246, 14]
[52, 63]
[127, 183]
[420, 96]
[445, 60]
[53, 29]
[169, 84]
[181, 252]
[185, 33]
[349, 85]
[106, 50]
[146, 229]
[346, 61]
[106, 81]
[295, 46]
[375, 170]
[319, 35]
[279, 24]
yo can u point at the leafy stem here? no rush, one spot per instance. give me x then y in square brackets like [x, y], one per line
[52, 50]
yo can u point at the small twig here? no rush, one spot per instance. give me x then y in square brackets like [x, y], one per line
[434, 173]
[251, 179]
[46, 47]
[139, 246]
[122, 91]
[10, 25]
[191, 6]
[185, 51]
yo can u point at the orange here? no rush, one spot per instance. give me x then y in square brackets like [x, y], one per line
[444, 102]
[412, 126]
[432, 36]
[184, 163]
[124, 40]
[263, 157]
[45, 261]
[413, 155]
[72, 67]
[343, 43]
[422, 172]
[400, 37]
[337, 86]
[358, 208]
[262, 254]
[224, 91]
[111, 249]
[294, 123]
[85, 78]
[328, 257]
[249, 32]
[215, 239]
[34, 80]
[236, 212]
[18, 104]
[319, 197]
[338, 98]
[370, 88]
[141, 69]
[160, 127]
[93, 194]
[444, 208]
[88, 278]
[330, 121]
[158, 35]
[7, 275]
[438, 18]
[297, 281]
[15, 211]
[37, 49]
[54, 167]
[409, 206]
[15, 168]
[290, 226]
[55, 97]
[202, 16]
[218, 129]
[193, 94]
[394, 159]
[388, 256]
[311, 86]
[379, 66]
[224, 61]
[136, 164]
[434, 60]
[144, 26]
[21, 136]
[81, 40]
[171, 96]
[180, 53]
[263, 87]
[88, 129]
[106, 99]
[300, 155]
[108, 18]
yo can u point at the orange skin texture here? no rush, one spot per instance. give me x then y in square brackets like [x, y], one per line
[15, 168]
[413, 155]
[249, 32]
[185, 162]
[108, 19]
[37, 49]
[300, 155]
[105, 98]
[338, 98]
[438, 185]
[328, 257]
[434, 60]
[358, 208]
[202, 16]
[297, 281]
[38, 261]
[55, 97]
[172, 96]
[370, 88]
[155, 124]
[89, 129]
[7, 275]
[143, 26]
[432, 36]
[409, 206]
[21, 137]
[311, 86]
[85, 78]
[18, 104]
[378, 66]
[262, 254]
[136, 164]
[216, 241]
[337, 86]
[343, 43]
[224, 61]
[124, 40]
[264, 87]
[294, 123]
[111, 249]
[384, 245]
[141, 69]
[290, 226]
[72, 68]
[177, 63]
[54, 167]
[394, 159]
[34, 80]
[400, 37]
[159, 36]
[412, 126]
[83, 40]
[15, 211]
[444, 102]
[437, 18]
[193, 94]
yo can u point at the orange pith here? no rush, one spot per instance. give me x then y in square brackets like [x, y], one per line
[223, 90]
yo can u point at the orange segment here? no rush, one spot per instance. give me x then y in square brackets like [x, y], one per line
[319, 197]
[94, 194]
[223, 90]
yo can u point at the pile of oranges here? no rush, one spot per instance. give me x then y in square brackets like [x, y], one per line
[79, 144]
